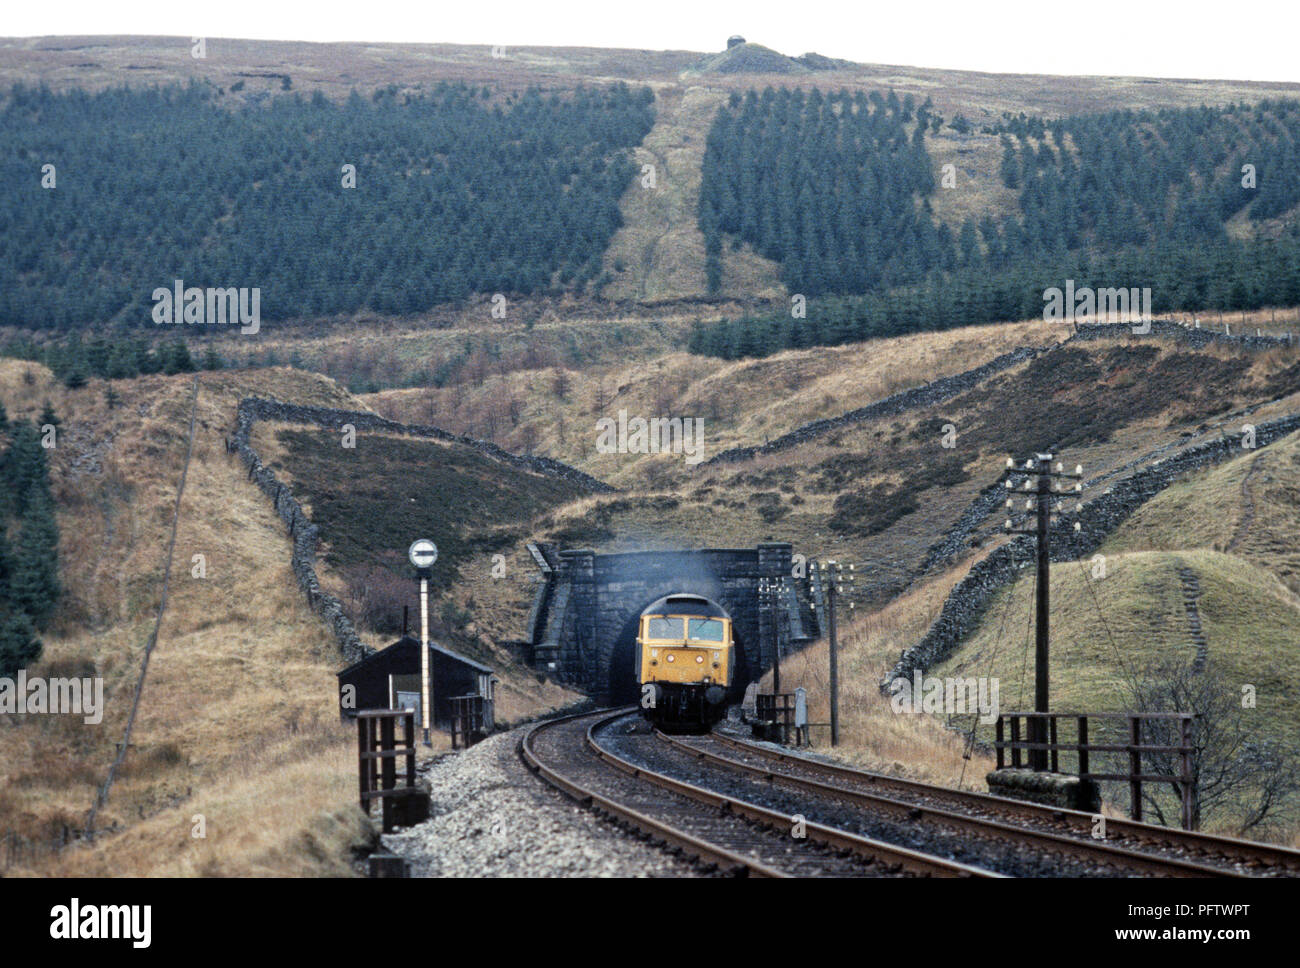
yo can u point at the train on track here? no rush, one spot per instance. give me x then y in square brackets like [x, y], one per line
[685, 659]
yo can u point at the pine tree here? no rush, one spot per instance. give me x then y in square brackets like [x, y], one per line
[19, 646]
[34, 578]
[23, 465]
[49, 417]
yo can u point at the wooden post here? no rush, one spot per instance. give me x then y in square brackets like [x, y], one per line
[1135, 767]
[998, 736]
[362, 772]
[1083, 746]
[1051, 725]
[386, 742]
[835, 672]
[1188, 780]
[408, 725]
[1015, 740]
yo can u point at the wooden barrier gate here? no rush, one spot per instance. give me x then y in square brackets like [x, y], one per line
[378, 749]
[774, 716]
[468, 721]
[1184, 782]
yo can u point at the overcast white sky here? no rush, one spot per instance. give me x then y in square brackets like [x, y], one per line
[1155, 38]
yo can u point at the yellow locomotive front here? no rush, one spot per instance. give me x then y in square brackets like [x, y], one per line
[685, 659]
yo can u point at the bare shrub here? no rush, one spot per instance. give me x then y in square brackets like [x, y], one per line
[1237, 772]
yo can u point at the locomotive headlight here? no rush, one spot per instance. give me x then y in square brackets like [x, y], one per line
[699, 658]
[654, 653]
[671, 657]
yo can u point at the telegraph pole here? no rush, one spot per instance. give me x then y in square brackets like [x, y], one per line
[1044, 586]
[833, 577]
[1040, 467]
[835, 666]
[776, 636]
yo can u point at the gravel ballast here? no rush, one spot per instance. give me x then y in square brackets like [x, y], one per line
[490, 817]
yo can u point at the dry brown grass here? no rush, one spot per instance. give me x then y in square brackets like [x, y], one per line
[660, 247]
[741, 402]
[872, 735]
[237, 718]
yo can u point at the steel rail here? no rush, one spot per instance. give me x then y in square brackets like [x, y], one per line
[892, 858]
[1230, 849]
[734, 863]
[995, 829]
[899, 858]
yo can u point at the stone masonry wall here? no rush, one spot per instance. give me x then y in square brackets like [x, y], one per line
[1099, 516]
[933, 392]
[305, 535]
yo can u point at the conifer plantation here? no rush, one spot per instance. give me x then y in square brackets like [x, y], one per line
[837, 188]
[458, 190]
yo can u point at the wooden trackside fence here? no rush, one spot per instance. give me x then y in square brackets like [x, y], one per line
[1130, 749]
[774, 716]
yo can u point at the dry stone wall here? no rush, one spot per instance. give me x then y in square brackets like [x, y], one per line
[305, 535]
[925, 395]
[1099, 517]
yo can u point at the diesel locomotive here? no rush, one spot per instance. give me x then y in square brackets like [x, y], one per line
[685, 656]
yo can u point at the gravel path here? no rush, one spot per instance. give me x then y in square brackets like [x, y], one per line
[490, 817]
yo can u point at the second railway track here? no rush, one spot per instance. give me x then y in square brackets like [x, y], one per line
[1139, 847]
[725, 833]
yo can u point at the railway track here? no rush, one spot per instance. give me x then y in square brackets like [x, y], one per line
[1128, 845]
[725, 834]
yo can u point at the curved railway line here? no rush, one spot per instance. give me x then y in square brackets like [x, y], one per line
[725, 834]
[1141, 847]
[726, 830]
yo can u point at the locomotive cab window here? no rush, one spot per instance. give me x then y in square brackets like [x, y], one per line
[705, 630]
[658, 627]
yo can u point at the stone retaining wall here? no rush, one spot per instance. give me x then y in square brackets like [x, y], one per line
[1196, 338]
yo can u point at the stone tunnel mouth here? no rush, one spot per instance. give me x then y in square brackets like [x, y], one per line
[623, 685]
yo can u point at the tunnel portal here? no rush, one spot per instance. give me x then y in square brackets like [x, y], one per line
[582, 628]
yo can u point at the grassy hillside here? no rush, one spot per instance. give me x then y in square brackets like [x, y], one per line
[237, 718]
[742, 402]
[370, 502]
[1248, 507]
[884, 490]
[1113, 627]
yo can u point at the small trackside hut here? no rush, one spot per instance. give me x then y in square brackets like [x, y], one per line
[390, 679]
